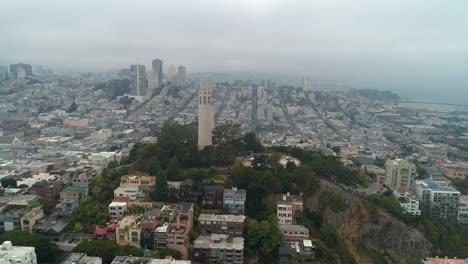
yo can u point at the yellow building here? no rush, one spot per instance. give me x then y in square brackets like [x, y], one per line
[128, 232]
[456, 171]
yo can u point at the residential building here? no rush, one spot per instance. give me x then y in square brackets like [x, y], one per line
[143, 183]
[213, 197]
[232, 225]
[103, 158]
[408, 201]
[82, 180]
[205, 117]
[456, 171]
[296, 252]
[157, 66]
[294, 232]
[81, 258]
[218, 248]
[131, 192]
[28, 220]
[186, 192]
[52, 227]
[145, 260]
[101, 135]
[234, 201]
[71, 193]
[178, 233]
[138, 80]
[288, 207]
[445, 260]
[13, 254]
[437, 201]
[160, 236]
[463, 210]
[67, 208]
[400, 173]
[106, 233]
[46, 189]
[117, 210]
[127, 232]
[433, 151]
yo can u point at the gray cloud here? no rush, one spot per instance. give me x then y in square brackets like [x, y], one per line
[363, 40]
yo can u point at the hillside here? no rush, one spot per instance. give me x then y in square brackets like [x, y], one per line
[371, 240]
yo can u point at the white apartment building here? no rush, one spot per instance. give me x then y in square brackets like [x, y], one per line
[234, 200]
[437, 201]
[101, 135]
[408, 201]
[117, 210]
[131, 192]
[399, 173]
[12, 254]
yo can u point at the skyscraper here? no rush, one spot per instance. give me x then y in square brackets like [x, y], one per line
[172, 74]
[138, 80]
[306, 85]
[158, 68]
[180, 75]
[205, 117]
[153, 82]
[21, 69]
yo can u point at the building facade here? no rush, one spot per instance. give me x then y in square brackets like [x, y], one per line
[14, 254]
[157, 66]
[438, 202]
[205, 117]
[232, 225]
[287, 207]
[138, 80]
[399, 173]
[234, 201]
[408, 201]
[217, 248]
[213, 197]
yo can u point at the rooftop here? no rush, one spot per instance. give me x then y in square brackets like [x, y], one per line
[224, 218]
[219, 241]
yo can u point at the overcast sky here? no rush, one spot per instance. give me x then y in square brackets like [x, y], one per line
[357, 40]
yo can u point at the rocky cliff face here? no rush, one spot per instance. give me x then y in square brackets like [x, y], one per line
[388, 236]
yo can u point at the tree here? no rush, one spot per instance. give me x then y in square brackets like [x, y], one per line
[263, 238]
[153, 166]
[290, 166]
[73, 107]
[173, 169]
[161, 191]
[47, 205]
[77, 227]
[106, 249]
[331, 200]
[336, 149]
[8, 182]
[163, 252]
[252, 143]
[46, 252]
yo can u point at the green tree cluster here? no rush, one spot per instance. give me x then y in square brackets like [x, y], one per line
[106, 249]
[46, 252]
[263, 238]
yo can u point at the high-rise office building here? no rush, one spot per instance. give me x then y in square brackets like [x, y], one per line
[158, 68]
[3, 73]
[306, 85]
[205, 117]
[181, 75]
[138, 80]
[400, 173]
[153, 82]
[172, 74]
[21, 70]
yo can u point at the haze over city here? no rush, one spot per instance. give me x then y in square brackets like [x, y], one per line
[400, 45]
[234, 132]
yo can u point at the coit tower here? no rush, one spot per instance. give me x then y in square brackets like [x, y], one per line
[205, 116]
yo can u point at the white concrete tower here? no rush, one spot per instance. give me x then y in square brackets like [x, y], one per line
[205, 117]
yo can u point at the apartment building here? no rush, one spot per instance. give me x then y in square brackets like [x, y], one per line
[232, 225]
[294, 232]
[437, 201]
[296, 252]
[399, 173]
[14, 254]
[213, 197]
[128, 232]
[234, 201]
[287, 208]
[408, 201]
[117, 210]
[178, 233]
[143, 183]
[219, 248]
